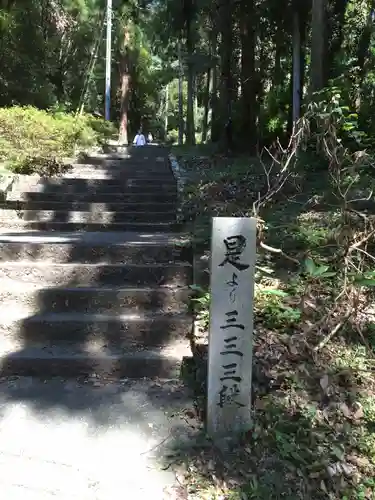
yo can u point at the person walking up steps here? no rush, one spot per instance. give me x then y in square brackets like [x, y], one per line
[139, 139]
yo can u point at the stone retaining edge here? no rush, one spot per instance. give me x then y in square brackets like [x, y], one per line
[6, 185]
[180, 175]
[200, 261]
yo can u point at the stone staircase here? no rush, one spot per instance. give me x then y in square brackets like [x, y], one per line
[94, 271]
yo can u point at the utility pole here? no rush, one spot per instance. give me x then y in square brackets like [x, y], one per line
[108, 61]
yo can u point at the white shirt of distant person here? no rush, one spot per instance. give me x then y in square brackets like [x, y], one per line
[140, 139]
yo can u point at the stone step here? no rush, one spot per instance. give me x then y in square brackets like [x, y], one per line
[163, 363]
[91, 226]
[113, 189]
[32, 299]
[93, 216]
[118, 170]
[49, 251]
[128, 197]
[116, 275]
[155, 163]
[103, 332]
[120, 166]
[123, 181]
[82, 206]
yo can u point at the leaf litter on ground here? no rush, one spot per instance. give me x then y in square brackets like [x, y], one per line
[312, 436]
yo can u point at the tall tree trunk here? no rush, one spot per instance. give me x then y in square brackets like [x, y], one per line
[334, 22]
[296, 67]
[226, 97]
[248, 75]
[303, 22]
[277, 79]
[364, 41]
[363, 51]
[214, 101]
[190, 125]
[125, 89]
[180, 97]
[166, 110]
[317, 44]
[207, 90]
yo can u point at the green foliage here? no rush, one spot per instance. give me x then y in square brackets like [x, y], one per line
[33, 140]
[172, 136]
[201, 305]
[271, 306]
[332, 110]
[317, 271]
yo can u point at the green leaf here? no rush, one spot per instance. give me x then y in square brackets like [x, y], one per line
[310, 266]
[329, 274]
[201, 300]
[278, 293]
[338, 452]
[367, 274]
[320, 270]
[196, 288]
[348, 127]
[365, 282]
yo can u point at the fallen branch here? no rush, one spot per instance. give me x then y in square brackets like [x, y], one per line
[278, 251]
[333, 332]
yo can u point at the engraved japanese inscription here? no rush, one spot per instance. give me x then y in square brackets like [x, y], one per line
[231, 324]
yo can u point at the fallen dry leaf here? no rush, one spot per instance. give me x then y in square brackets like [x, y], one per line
[357, 415]
[324, 382]
[294, 350]
[345, 410]
[210, 465]
[361, 462]
[323, 486]
[358, 412]
[260, 404]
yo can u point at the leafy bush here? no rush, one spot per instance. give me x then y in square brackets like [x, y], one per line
[32, 139]
[172, 136]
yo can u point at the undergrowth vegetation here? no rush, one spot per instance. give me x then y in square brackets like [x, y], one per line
[313, 434]
[36, 141]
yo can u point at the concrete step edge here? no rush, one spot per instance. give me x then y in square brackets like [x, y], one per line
[73, 265]
[50, 223]
[31, 287]
[8, 204]
[82, 212]
[80, 227]
[78, 317]
[129, 238]
[149, 364]
[135, 354]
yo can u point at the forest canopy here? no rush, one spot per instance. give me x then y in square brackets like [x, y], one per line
[191, 70]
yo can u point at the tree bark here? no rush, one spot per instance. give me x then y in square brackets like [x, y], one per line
[226, 88]
[363, 51]
[317, 45]
[214, 101]
[166, 110]
[335, 25]
[248, 84]
[296, 67]
[180, 97]
[207, 90]
[124, 89]
[190, 125]
[364, 41]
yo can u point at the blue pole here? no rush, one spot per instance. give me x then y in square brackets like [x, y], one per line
[108, 61]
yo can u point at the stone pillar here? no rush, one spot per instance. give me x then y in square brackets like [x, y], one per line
[233, 255]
